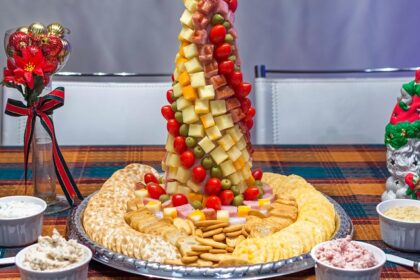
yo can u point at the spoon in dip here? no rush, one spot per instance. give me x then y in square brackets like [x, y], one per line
[6, 261]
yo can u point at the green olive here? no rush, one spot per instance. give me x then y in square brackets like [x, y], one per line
[173, 97]
[235, 189]
[229, 38]
[217, 19]
[237, 68]
[226, 184]
[258, 183]
[227, 25]
[207, 163]
[197, 204]
[161, 180]
[199, 152]
[178, 117]
[183, 130]
[191, 142]
[216, 172]
[174, 106]
[238, 200]
[164, 197]
[260, 195]
[232, 58]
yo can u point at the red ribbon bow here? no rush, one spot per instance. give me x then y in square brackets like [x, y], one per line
[42, 109]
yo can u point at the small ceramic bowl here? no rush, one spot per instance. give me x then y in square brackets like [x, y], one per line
[78, 271]
[327, 272]
[16, 232]
[402, 235]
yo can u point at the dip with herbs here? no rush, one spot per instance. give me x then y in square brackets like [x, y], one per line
[404, 213]
[18, 209]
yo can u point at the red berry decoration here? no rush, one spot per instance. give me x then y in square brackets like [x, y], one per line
[245, 105]
[233, 5]
[187, 159]
[214, 202]
[150, 178]
[51, 45]
[179, 199]
[244, 90]
[251, 112]
[249, 123]
[173, 127]
[198, 174]
[217, 34]
[251, 193]
[34, 50]
[155, 190]
[19, 40]
[236, 78]
[167, 112]
[257, 174]
[169, 96]
[223, 51]
[226, 67]
[213, 186]
[179, 144]
[227, 197]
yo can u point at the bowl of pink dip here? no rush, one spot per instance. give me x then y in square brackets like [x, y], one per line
[346, 259]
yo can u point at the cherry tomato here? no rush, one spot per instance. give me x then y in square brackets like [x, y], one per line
[187, 159]
[251, 112]
[246, 105]
[251, 193]
[227, 197]
[249, 123]
[150, 178]
[213, 186]
[167, 112]
[179, 144]
[244, 89]
[173, 77]
[198, 174]
[173, 127]
[257, 174]
[214, 202]
[179, 199]
[169, 96]
[223, 51]
[217, 34]
[226, 67]
[236, 78]
[155, 190]
[233, 5]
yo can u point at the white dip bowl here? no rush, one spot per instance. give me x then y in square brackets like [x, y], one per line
[325, 271]
[77, 271]
[16, 232]
[402, 235]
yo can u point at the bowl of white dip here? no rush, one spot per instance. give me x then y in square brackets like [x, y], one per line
[21, 219]
[54, 258]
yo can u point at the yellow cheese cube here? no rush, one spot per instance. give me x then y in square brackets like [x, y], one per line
[227, 168]
[189, 93]
[207, 120]
[234, 153]
[239, 163]
[170, 212]
[224, 121]
[171, 187]
[191, 5]
[186, 33]
[176, 74]
[198, 80]
[196, 216]
[246, 155]
[206, 144]
[184, 79]
[218, 107]
[246, 172]
[170, 144]
[186, 19]
[195, 196]
[202, 106]
[219, 155]
[188, 115]
[196, 130]
[182, 103]
[177, 56]
[226, 142]
[193, 65]
[213, 133]
[223, 215]
[181, 49]
[243, 210]
[190, 51]
[264, 203]
[180, 64]
[173, 160]
[183, 189]
[141, 193]
[250, 181]
[235, 133]
[154, 206]
[206, 92]
[183, 175]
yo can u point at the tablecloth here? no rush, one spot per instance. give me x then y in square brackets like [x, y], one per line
[353, 175]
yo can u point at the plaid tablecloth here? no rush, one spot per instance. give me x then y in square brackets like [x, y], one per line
[353, 175]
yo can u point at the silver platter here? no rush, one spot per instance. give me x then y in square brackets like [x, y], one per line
[153, 269]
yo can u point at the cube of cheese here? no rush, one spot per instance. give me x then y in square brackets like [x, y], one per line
[196, 130]
[193, 186]
[264, 203]
[234, 153]
[243, 210]
[213, 133]
[177, 89]
[206, 92]
[170, 144]
[141, 194]
[189, 93]
[239, 163]
[202, 106]
[171, 173]
[188, 115]
[191, 5]
[183, 175]
[194, 196]
[183, 189]
[184, 78]
[193, 65]
[246, 155]
[154, 206]
[236, 178]
[173, 160]
[177, 56]
[186, 33]
[207, 120]
[227, 168]
[171, 187]
[190, 51]
[206, 144]
[198, 80]
[176, 74]
[170, 212]
[219, 155]
[218, 107]
[235, 133]
[181, 48]
[182, 103]
[224, 121]
[180, 64]
[226, 142]
[241, 144]
[196, 216]
[246, 172]
[223, 215]
[186, 19]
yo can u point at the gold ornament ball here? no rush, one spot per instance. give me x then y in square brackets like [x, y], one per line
[37, 29]
[56, 29]
[23, 29]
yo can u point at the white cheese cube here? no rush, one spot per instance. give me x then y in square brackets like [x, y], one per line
[170, 212]
[176, 74]
[171, 187]
[198, 80]
[241, 144]
[246, 155]
[188, 115]
[226, 142]
[196, 130]
[171, 173]
[182, 103]
[218, 107]
[186, 18]
[186, 33]
[227, 168]
[235, 133]
[191, 5]
[206, 144]
[141, 194]
[154, 206]
[202, 106]
[206, 92]
[207, 120]
[219, 155]
[193, 186]
[213, 133]
[170, 144]
[236, 178]
[173, 160]
[184, 190]
[223, 215]
[224, 122]
[234, 153]
[177, 89]
[190, 51]
[183, 175]
[193, 65]
[246, 172]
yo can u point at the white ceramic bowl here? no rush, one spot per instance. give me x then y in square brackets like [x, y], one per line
[22, 231]
[78, 271]
[402, 235]
[327, 272]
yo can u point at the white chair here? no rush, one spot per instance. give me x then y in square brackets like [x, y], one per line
[97, 113]
[324, 111]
